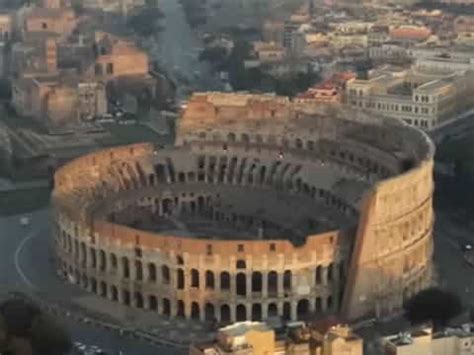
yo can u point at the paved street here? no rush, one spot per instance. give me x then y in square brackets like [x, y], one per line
[26, 267]
[177, 49]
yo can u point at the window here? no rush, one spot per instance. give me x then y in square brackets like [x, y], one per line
[44, 25]
[272, 247]
[98, 69]
[110, 68]
[209, 249]
[240, 248]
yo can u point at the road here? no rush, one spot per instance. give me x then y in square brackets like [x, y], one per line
[177, 49]
[26, 266]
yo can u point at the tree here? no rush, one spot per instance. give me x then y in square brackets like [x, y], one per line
[435, 305]
[18, 315]
[146, 22]
[48, 337]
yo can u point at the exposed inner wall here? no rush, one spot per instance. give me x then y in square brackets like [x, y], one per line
[372, 172]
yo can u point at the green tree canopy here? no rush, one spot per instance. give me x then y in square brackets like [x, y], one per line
[48, 337]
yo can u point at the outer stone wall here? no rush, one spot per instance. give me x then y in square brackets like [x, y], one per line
[373, 173]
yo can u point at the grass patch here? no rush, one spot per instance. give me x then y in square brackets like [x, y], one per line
[23, 200]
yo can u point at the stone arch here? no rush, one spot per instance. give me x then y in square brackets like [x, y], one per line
[256, 281]
[272, 283]
[180, 309]
[114, 292]
[125, 267]
[126, 297]
[330, 272]
[180, 279]
[240, 264]
[225, 313]
[310, 145]
[231, 137]
[302, 308]
[241, 284]
[103, 289]
[113, 260]
[245, 138]
[329, 303]
[200, 204]
[138, 300]
[166, 307]
[225, 280]
[165, 274]
[209, 279]
[263, 171]
[256, 312]
[195, 312]
[93, 285]
[319, 275]
[181, 177]
[318, 305]
[194, 278]
[209, 313]
[298, 143]
[102, 260]
[85, 281]
[287, 275]
[272, 310]
[241, 313]
[152, 303]
[83, 253]
[166, 206]
[286, 311]
[151, 272]
[138, 270]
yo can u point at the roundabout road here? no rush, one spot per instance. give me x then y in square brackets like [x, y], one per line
[26, 266]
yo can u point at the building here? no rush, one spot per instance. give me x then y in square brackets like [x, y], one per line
[116, 57]
[6, 27]
[420, 341]
[255, 338]
[422, 99]
[331, 90]
[268, 52]
[60, 21]
[410, 34]
[58, 102]
[273, 31]
[349, 231]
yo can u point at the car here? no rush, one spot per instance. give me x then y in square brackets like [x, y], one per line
[467, 247]
[25, 221]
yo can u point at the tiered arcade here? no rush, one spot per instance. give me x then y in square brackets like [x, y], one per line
[259, 210]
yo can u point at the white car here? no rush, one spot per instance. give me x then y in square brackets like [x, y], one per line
[25, 221]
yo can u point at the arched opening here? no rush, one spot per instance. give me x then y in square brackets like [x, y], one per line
[167, 206]
[240, 313]
[180, 309]
[165, 274]
[302, 309]
[318, 305]
[195, 313]
[245, 138]
[125, 268]
[286, 311]
[113, 260]
[240, 264]
[126, 297]
[209, 314]
[138, 300]
[287, 280]
[225, 313]
[330, 273]
[151, 272]
[329, 303]
[272, 310]
[103, 289]
[298, 143]
[231, 137]
[310, 145]
[209, 279]
[261, 178]
[138, 270]
[241, 284]
[93, 285]
[225, 281]
[319, 272]
[85, 281]
[180, 279]
[114, 293]
[256, 312]
[93, 257]
[256, 281]
[272, 283]
[194, 278]
[166, 307]
[342, 272]
[102, 260]
[152, 303]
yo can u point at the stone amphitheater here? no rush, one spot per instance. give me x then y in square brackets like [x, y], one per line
[263, 207]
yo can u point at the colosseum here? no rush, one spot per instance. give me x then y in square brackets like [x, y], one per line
[263, 207]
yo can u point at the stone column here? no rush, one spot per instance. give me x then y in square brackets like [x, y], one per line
[293, 310]
[248, 281]
[280, 284]
[232, 312]
[264, 285]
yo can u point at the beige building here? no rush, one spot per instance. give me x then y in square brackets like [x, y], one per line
[6, 27]
[116, 57]
[423, 341]
[58, 102]
[419, 99]
[268, 52]
[254, 338]
[60, 21]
